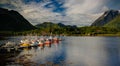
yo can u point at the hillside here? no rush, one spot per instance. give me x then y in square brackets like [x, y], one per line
[105, 18]
[115, 23]
[47, 25]
[53, 25]
[11, 20]
[56, 28]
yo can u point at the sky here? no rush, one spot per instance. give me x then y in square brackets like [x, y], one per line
[69, 12]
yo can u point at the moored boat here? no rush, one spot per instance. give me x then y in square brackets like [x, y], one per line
[24, 45]
[9, 44]
[40, 43]
[47, 42]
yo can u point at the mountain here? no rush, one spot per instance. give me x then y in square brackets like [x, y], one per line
[115, 23]
[46, 25]
[11, 20]
[54, 25]
[106, 18]
[56, 28]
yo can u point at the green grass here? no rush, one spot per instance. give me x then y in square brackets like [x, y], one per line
[115, 23]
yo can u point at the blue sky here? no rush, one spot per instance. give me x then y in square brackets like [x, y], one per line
[72, 12]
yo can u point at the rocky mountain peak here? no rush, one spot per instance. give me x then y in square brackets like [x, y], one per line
[105, 18]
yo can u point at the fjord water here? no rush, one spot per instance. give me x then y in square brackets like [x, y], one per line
[77, 51]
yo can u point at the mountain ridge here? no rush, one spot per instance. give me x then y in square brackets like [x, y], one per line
[106, 18]
[50, 24]
[11, 20]
[115, 23]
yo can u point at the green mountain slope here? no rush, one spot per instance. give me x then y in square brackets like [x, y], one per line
[115, 23]
[56, 28]
[53, 25]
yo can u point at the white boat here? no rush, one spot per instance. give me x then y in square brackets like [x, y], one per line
[9, 45]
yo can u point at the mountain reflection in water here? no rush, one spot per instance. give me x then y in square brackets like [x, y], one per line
[73, 51]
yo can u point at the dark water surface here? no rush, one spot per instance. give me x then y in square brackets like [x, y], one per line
[73, 51]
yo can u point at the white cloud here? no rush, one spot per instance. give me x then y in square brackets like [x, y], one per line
[35, 12]
[78, 12]
[83, 12]
[82, 6]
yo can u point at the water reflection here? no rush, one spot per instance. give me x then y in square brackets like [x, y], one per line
[113, 52]
[73, 51]
[53, 54]
[6, 57]
[94, 51]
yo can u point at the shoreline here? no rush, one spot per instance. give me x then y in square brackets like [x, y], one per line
[101, 35]
[77, 35]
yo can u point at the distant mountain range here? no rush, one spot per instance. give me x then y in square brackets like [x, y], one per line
[110, 18]
[53, 25]
[56, 28]
[11, 20]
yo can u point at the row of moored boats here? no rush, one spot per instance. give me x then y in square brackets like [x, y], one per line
[33, 42]
[39, 41]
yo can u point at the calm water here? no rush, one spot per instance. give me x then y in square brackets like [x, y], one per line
[76, 51]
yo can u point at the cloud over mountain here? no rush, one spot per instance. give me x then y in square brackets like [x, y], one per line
[73, 12]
